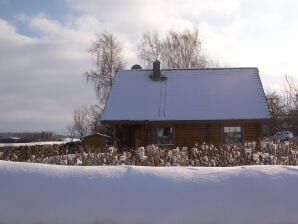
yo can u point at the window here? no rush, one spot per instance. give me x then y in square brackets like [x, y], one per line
[232, 135]
[164, 136]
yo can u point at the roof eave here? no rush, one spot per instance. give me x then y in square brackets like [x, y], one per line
[258, 120]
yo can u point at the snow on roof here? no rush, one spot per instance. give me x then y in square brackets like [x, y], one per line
[97, 134]
[193, 94]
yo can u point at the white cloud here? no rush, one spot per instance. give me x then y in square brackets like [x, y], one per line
[235, 33]
[129, 19]
[47, 69]
[257, 36]
[41, 78]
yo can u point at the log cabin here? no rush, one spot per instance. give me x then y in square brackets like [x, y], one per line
[181, 107]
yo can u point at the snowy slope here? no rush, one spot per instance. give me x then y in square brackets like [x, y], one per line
[38, 143]
[36, 193]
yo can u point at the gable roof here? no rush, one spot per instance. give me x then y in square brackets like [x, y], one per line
[188, 94]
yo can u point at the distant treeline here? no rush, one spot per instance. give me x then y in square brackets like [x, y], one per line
[24, 137]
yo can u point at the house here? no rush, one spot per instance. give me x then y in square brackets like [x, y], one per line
[179, 107]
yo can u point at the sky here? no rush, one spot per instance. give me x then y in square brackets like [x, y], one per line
[44, 47]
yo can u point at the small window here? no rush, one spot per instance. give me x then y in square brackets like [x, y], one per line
[164, 136]
[232, 135]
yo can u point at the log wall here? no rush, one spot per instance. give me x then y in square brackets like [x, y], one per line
[189, 133]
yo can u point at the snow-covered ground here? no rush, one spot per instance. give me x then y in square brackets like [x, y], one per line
[46, 194]
[39, 143]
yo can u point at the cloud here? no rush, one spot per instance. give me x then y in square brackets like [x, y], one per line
[131, 18]
[259, 34]
[235, 33]
[41, 78]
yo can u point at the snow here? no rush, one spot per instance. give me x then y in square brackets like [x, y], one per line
[39, 143]
[206, 94]
[15, 138]
[38, 193]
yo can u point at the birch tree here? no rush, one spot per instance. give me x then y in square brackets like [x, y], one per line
[107, 53]
[177, 50]
[150, 48]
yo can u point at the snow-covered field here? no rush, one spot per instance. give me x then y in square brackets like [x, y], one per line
[46, 194]
[67, 140]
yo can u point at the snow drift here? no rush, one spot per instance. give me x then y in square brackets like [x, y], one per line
[66, 140]
[44, 194]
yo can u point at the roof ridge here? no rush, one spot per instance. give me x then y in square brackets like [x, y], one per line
[190, 69]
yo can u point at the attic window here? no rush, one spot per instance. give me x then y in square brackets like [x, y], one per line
[164, 136]
[232, 135]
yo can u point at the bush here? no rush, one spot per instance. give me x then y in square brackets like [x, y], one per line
[198, 155]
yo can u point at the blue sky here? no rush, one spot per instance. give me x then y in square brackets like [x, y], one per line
[54, 8]
[10, 10]
[43, 47]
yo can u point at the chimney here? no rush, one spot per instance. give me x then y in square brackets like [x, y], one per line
[156, 70]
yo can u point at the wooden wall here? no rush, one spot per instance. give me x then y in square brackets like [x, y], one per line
[189, 133]
[95, 142]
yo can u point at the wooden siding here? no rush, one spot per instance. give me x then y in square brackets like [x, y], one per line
[141, 135]
[95, 142]
[187, 134]
[249, 132]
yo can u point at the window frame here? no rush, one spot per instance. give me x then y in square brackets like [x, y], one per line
[165, 126]
[232, 126]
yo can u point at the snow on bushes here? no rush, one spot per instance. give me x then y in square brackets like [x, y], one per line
[198, 155]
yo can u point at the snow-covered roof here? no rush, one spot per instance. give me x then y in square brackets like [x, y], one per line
[188, 94]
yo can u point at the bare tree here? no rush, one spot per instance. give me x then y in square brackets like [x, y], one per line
[277, 110]
[94, 114]
[80, 122]
[177, 50]
[70, 131]
[284, 106]
[183, 50]
[290, 87]
[86, 120]
[107, 52]
[150, 48]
